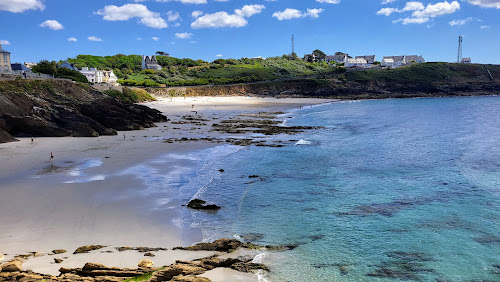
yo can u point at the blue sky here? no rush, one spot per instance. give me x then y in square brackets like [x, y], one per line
[58, 29]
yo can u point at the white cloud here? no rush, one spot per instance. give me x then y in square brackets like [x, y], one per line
[155, 38]
[172, 16]
[93, 38]
[249, 10]
[184, 35]
[196, 14]
[218, 55]
[139, 38]
[4, 42]
[19, 6]
[328, 1]
[438, 9]
[461, 22]
[486, 3]
[72, 39]
[485, 27]
[422, 14]
[52, 24]
[388, 2]
[289, 14]
[410, 6]
[223, 19]
[128, 11]
[411, 20]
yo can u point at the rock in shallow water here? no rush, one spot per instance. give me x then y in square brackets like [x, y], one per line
[198, 204]
[146, 263]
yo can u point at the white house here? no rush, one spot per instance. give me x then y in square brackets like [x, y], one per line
[94, 75]
[110, 78]
[310, 58]
[400, 61]
[90, 74]
[370, 59]
[356, 63]
[339, 59]
[150, 63]
[466, 61]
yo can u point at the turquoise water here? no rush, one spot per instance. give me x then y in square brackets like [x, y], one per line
[388, 190]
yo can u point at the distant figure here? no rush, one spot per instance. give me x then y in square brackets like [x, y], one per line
[51, 156]
[192, 106]
[123, 136]
[32, 140]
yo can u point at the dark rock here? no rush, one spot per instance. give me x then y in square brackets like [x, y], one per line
[61, 251]
[248, 267]
[149, 255]
[253, 176]
[86, 249]
[12, 266]
[56, 260]
[198, 204]
[221, 245]
[221, 170]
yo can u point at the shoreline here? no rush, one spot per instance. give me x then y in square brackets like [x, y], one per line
[93, 193]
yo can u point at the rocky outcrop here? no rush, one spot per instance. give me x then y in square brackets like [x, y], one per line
[12, 266]
[63, 108]
[221, 245]
[146, 263]
[198, 204]
[86, 249]
[98, 270]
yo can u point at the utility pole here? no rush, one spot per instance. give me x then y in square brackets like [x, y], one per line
[459, 57]
[293, 46]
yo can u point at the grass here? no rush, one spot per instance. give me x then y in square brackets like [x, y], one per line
[143, 277]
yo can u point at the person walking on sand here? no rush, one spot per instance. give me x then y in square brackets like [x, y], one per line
[51, 156]
[32, 140]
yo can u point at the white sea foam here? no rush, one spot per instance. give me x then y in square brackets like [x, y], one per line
[303, 142]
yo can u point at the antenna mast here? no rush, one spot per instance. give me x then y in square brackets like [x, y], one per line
[459, 57]
[293, 45]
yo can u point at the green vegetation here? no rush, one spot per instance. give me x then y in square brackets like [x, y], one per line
[143, 277]
[188, 72]
[50, 68]
[130, 95]
[423, 73]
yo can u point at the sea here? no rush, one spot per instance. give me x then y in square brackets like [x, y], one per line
[386, 190]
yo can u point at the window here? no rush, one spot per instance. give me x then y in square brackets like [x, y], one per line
[5, 58]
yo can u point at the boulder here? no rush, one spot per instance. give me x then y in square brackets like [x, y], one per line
[149, 255]
[86, 249]
[60, 251]
[146, 263]
[248, 266]
[56, 260]
[221, 245]
[12, 266]
[171, 271]
[198, 204]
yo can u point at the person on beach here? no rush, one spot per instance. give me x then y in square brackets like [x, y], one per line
[32, 140]
[123, 136]
[51, 156]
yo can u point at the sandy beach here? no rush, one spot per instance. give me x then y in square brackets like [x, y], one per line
[95, 191]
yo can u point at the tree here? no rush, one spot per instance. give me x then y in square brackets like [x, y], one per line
[340, 53]
[319, 54]
[161, 53]
[45, 67]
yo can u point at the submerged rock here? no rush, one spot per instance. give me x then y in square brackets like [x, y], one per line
[198, 204]
[56, 260]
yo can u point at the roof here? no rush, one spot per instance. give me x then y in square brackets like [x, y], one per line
[394, 58]
[367, 57]
[19, 67]
[336, 57]
[413, 57]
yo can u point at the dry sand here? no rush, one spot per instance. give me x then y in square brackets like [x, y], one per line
[107, 202]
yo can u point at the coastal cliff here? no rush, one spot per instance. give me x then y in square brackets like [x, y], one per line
[63, 108]
[421, 80]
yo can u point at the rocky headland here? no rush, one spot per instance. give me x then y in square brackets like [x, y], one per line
[54, 108]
